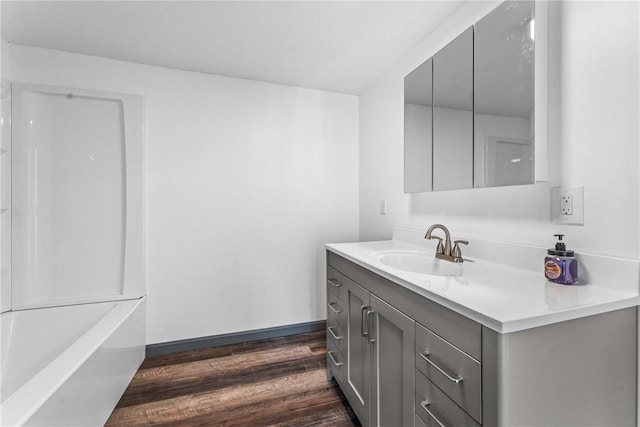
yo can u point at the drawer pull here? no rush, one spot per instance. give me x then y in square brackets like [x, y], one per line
[333, 334]
[333, 360]
[335, 310]
[425, 356]
[335, 283]
[425, 406]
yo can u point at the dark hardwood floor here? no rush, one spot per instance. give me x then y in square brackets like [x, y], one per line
[276, 382]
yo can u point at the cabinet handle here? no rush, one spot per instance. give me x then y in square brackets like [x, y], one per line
[370, 319]
[335, 310]
[335, 283]
[333, 360]
[333, 334]
[425, 406]
[363, 321]
[425, 356]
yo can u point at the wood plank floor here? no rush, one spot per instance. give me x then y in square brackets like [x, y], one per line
[276, 382]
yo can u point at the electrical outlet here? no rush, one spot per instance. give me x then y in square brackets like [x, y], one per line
[567, 205]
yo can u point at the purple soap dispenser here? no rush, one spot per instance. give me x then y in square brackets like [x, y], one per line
[561, 266]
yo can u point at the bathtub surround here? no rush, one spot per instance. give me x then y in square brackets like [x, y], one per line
[5, 198]
[77, 196]
[246, 181]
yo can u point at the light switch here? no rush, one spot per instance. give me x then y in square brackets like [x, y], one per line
[383, 206]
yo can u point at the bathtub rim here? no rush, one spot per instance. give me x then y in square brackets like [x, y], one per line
[32, 339]
[20, 406]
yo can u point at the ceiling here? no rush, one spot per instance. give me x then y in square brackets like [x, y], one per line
[341, 46]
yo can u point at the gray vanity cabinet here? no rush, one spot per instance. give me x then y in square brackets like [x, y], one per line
[402, 359]
[377, 375]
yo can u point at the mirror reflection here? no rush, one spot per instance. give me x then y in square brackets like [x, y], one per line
[453, 114]
[503, 110]
[469, 110]
[418, 129]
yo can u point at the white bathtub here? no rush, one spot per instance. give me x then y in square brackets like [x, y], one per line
[68, 366]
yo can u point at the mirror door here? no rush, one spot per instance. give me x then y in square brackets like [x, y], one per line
[418, 131]
[503, 101]
[453, 114]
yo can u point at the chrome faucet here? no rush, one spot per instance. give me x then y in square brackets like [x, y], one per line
[444, 250]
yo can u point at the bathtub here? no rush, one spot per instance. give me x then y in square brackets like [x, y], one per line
[69, 366]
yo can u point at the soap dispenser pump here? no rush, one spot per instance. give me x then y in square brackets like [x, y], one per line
[561, 266]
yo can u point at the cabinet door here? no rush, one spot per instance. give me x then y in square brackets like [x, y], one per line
[358, 376]
[392, 337]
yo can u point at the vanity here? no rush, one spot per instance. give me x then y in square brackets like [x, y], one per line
[479, 343]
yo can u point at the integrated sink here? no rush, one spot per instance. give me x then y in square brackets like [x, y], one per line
[415, 261]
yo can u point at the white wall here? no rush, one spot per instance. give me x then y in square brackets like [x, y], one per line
[246, 181]
[594, 143]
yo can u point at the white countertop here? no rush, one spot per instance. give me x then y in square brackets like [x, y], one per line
[509, 299]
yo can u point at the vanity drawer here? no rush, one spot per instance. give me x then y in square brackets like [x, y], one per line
[453, 371]
[336, 331]
[334, 304]
[335, 361]
[335, 282]
[435, 409]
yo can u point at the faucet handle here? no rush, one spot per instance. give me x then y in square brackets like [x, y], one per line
[440, 247]
[455, 252]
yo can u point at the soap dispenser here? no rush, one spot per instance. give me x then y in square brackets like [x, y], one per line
[561, 266]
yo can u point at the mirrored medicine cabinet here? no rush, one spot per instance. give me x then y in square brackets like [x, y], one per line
[469, 110]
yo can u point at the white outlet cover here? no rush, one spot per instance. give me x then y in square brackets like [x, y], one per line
[577, 198]
[566, 203]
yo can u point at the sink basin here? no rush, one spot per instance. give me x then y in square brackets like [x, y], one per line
[415, 261]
